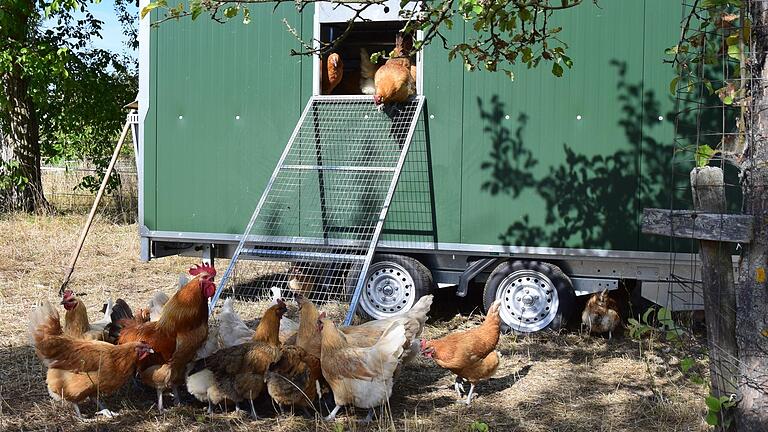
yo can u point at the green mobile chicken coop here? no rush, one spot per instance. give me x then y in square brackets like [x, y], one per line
[534, 186]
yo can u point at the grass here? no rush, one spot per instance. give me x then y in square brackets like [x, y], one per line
[547, 382]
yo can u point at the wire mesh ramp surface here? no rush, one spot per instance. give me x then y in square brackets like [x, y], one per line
[315, 228]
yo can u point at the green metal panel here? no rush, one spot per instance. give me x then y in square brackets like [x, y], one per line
[225, 99]
[539, 177]
[536, 175]
[658, 128]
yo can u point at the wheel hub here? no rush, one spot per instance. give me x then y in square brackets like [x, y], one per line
[529, 300]
[389, 290]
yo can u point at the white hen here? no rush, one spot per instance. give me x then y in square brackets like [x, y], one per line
[232, 330]
[362, 377]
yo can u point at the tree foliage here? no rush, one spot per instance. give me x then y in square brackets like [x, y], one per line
[74, 94]
[506, 32]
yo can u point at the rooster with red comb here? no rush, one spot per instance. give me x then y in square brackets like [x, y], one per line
[181, 330]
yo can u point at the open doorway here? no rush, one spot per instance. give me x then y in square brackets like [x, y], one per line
[345, 73]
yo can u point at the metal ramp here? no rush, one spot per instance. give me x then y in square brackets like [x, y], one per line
[315, 229]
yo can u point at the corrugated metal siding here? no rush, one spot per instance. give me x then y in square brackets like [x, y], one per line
[540, 177]
[210, 166]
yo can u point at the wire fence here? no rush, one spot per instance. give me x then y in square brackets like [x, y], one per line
[717, 119]
[63, 188]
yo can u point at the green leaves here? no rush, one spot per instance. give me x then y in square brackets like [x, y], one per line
[557, 70]
[154, 5]
[478, 426]
[716, 409]
[686, 364]
[231, 12]
[703, 154]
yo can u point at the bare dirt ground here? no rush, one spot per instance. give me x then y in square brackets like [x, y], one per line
[549, 382]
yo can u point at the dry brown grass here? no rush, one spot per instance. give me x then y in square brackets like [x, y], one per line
[548, 382]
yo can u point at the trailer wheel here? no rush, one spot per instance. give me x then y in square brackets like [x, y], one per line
[393, 285]
[534, 295]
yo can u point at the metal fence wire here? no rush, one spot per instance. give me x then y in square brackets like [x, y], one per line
[714, 115]
[62, 188]
[323, 209]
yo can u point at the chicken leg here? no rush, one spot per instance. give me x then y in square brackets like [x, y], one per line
[469, 395]
[253, 410]
[159, 400]
[77, 410]
[458, 385]
[368, 418]
[333, 413]
[104, 411]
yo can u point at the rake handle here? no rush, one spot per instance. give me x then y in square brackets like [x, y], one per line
[89, 221]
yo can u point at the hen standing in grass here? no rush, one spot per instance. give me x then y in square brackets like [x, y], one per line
[236, 374]
[296, 378]
[76, 322]
[360, 377]
[79, 369]
[180, 331]
[469, 354]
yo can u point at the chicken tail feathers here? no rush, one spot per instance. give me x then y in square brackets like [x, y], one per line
[389, 348]
[420, 310]
[119, 314]
[43, 321]
[367, 68]
[158, 301]
[398, 51]
[107, 309]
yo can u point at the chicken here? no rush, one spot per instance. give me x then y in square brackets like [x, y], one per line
[333, 71]
[303, 278]
[236, 373]
[155, 307]
[462, 351]
[232, 330]
[79, 369]
[368, 333]
[358, 376]
[475, 373]
[294, 379]
[76, 323]
[393, 80]
[601, 314]
[365, 335]
[367, 73]
[177, 335]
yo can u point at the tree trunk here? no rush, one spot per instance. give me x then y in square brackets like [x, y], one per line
[752, 295]
[21, 146]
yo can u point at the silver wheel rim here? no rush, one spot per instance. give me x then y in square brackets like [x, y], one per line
[389, 290]
[529, 301]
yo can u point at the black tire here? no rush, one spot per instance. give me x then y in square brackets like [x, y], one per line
[562, 284]
[423, 283]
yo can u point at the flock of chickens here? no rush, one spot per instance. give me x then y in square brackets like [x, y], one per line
[169, 344]
[392, 82]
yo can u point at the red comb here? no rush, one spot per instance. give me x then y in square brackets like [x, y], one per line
[68, 293]
[202, 268]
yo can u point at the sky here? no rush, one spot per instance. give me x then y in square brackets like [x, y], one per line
[111, 33]
[112, 37]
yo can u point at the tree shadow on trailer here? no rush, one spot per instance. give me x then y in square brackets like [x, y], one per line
[594, 201]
